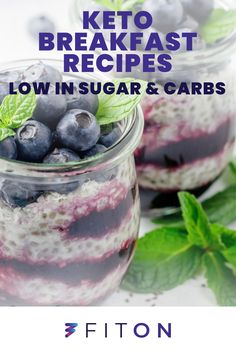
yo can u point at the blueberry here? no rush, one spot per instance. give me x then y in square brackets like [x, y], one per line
[40, 72]
[34, 141]
[78, 130]
[5, 78]
[95, 150]
[61, 156]
[167, 14]
[110, 138]
[88, 102]
[8, 148]
[40, 24]
[200, 10]
[18, 195]
[50, 108]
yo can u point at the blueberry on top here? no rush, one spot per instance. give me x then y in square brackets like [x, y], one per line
[167, 14]
[78, 130]
[95, 150]
[34, 141]
[50, 108]
[109, 138]
[88, 102]
[8, 148]
[41, 73]
[61, 156]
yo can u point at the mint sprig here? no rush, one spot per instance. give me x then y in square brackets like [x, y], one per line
[14, 111]
[219, 25]
[168, 256]
[115, 107]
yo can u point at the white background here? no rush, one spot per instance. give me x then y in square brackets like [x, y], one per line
[16, 43]
[41, 330]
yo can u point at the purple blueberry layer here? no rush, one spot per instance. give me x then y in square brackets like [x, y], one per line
[99, 223]
[74, 273]
[188, 150]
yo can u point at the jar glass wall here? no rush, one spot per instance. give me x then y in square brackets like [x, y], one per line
[72, 241]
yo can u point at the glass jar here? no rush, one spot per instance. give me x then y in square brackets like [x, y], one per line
[188, 140]
[72, 241]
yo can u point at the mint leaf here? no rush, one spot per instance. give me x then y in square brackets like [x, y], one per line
[222, 206]
[220, 279]
[163, 260]
[220, 24]
[197, 223]
[113, 108]
[16, 109]
[5, 133]
[227, 236]
[230, 256]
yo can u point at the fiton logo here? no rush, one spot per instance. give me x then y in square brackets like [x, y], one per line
[70, 329]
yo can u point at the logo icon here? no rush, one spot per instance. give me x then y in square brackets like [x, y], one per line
[70, 329]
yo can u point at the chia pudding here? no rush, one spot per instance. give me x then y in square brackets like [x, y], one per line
[188, 139]
[68, 220]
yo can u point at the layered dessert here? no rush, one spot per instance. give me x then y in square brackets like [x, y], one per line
[67, 234]
[188, 139]
[187, 142]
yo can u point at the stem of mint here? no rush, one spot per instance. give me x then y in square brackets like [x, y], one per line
[14, 111]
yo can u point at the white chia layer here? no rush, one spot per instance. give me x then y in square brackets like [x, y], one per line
[172, 119]
[40, 291]
[34, 234]
[187, 177]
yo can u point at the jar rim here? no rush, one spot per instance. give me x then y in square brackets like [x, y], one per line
[125, 146]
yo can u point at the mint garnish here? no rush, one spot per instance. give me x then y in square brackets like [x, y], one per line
[163, 260]
[114, 107]
[14, 111]
[197, 223]
[168, 256]
[220, 24]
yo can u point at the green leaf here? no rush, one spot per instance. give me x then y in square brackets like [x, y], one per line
[219, 208]
[114, 107]
[222, 206]
[228, 236]
[220, 24]
[16, 109]
[230, 256]
[163, 260]
[220, 279]
[5, 133]
[197, 223]
[232, 167]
